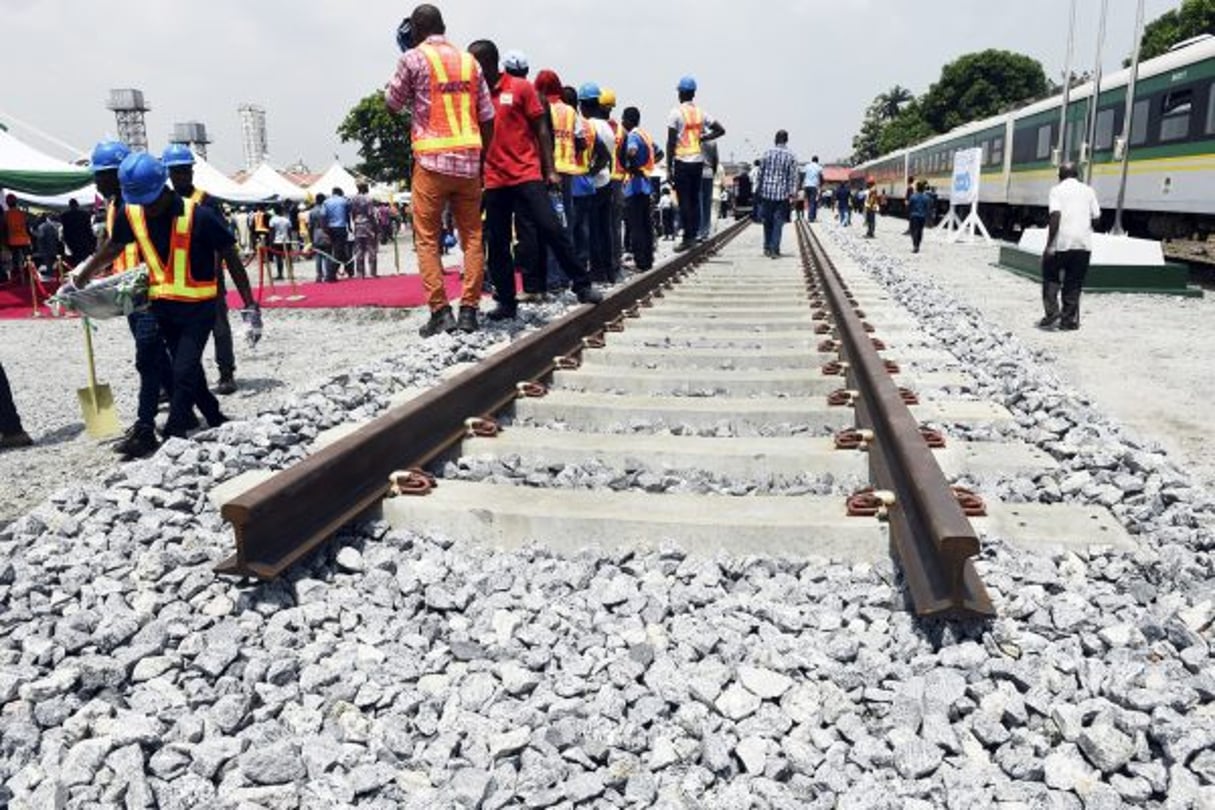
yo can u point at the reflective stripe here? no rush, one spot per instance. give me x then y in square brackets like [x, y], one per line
[171, 280]
[130, 252]
[693, 126]
[584, 158]
[451, 130]
[618, 172]
[565, 152]
[649, 146]
[198, 197]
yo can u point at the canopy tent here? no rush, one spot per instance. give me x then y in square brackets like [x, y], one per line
[221, 186]
[268, 182]
[85, 197]
[334, 177]
[25, 169]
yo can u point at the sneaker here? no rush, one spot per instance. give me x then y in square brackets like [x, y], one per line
[226, 385]
[18, 439]
[1048, 321]
[502, 312]
[138, 442]
[588, 295]
[467, 322]
[684, 245]
[767, 253]
[441, 320]
[530, 297]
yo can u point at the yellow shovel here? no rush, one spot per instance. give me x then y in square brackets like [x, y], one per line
[96, 401]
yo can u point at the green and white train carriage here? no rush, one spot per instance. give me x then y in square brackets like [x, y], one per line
[1171, 173]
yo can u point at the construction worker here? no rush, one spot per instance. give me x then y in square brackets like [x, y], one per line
[597, 211]
[17, 235]
[179, 160]
[687, 126]
[607, 102]
[637, 156]
[569, 139]
[261, 231]
[152, 361]
[179, 241]
[452, 125]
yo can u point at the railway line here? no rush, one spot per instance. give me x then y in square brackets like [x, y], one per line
[719, 363]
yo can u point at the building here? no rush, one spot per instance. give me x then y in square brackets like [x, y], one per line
[254, 143]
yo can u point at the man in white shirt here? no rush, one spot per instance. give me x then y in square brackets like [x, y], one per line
[812, 177]
[280, 227]
[1074, 212]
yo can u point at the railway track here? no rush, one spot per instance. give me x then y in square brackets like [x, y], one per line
[719, 362]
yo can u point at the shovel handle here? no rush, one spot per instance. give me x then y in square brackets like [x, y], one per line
[88, 352]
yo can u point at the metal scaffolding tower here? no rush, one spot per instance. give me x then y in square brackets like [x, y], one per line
[193, 134]
[129, 106]
[253, 134]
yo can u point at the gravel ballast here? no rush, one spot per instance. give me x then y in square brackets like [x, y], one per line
[398, 670]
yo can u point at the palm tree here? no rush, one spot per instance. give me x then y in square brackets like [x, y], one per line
[890, 103]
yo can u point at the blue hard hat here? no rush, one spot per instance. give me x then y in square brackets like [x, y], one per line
[687, 85]
[142, 178]
[589, 91]
[177, 154]
[107, 155]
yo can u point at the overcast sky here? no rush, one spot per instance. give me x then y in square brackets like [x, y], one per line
[810, 66]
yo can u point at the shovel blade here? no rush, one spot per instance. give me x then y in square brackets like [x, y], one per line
[97, 407]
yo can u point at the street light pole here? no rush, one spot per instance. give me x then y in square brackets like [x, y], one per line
[1061, 144]
[1096, 96]
[1126, 124]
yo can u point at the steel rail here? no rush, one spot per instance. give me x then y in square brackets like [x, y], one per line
[279, 521]
[930, 535]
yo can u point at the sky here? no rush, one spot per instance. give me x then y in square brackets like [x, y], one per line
[808, 66]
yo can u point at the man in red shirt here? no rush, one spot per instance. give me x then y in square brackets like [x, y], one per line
[518, 166]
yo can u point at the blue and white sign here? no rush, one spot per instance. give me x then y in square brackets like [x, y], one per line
[966, 168]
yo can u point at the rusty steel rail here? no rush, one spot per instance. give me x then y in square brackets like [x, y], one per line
[930, 535]
[282, 519]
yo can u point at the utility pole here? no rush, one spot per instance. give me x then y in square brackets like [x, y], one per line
[1061, 144]
[1091, 138]
[1126, 124]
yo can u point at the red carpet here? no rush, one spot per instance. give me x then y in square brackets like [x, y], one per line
[385, 291]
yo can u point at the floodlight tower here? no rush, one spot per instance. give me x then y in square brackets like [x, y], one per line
[253, 134]
[193, 134]
[129, 106]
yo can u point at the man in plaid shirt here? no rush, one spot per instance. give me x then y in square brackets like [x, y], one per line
[777, 187]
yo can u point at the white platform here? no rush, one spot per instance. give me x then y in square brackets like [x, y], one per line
[1107, 249]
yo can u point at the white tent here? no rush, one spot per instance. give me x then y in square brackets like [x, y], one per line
[25, 169]
[334, 177]
[268, 182]
[218, 184]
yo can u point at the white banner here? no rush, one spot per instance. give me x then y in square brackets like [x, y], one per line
[966, 168]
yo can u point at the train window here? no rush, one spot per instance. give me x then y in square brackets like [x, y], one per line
[1043, 142]
[997, 151]
[1105, 129]
[1139, 122]
[1175, 123]
[1211, 111]
[986, 153]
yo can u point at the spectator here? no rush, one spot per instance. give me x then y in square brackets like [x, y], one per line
[77, 232]
[1074, 213]
[777, 188]
[16, 235]
[919, 206]
[46, 238]
[812, 178]
[337, 224]
[321, 244]
[449, 153]
[366, 244]
[280, 230]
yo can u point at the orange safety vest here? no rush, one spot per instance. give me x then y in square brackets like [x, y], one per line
[18, 233]
[565, 152]
[585, 156]
[688, 144]
[130, 252]
[648, 168]
[259, 222]
[171, 280]
[451, 126]
[618, 172]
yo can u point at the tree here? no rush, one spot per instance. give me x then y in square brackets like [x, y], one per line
[1194, 17]
[978, 85]
[383, 138]
[865, 142]
[907, 128]
[891, 102]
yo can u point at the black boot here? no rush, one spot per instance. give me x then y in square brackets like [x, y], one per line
[467, 322]
[441, 320]
[138, 442]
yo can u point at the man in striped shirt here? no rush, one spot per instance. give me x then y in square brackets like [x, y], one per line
[777, 187]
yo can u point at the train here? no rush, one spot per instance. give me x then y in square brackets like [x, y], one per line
[1170, 190]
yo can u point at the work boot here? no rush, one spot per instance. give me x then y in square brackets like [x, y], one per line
[502, 312]
[138, 442]
[467, 322]
[1048, 321]
[9, 441]
[441, 320]
[588, 295]
[226, 385]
